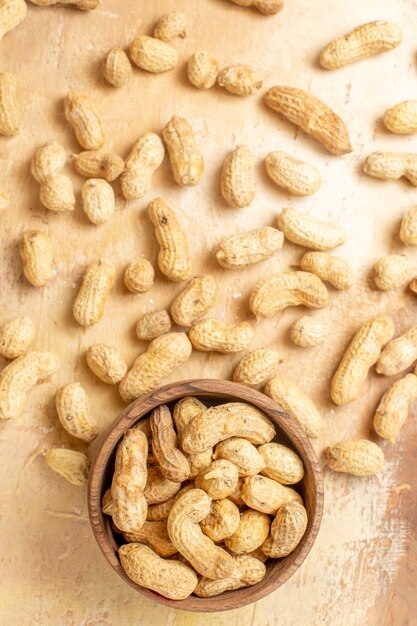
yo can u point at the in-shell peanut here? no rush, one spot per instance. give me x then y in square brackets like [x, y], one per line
[393, 408]
[214, 336]
[160, 511]
[281, 463]
[56, 190]
[37, 259]
[106, 363]
[222, 521]
[304, 230]
[9, 109]
[98, 200]
[145, 157]
[185, 156]
[242, 453]
[170, 26]
[70, 464]
[152, 325]
[293, 175]
[248, 570]
[254, 246]
[219, 479]
[329, 268]
[402, 118]
[155, 535]
[99, 164]
[194, 301]
[12, 12]
[83, 117]
[139, 276]
[408, 231]
[392, 271]
[392, 165]
[16, 337]
[95, 287]
[116, 67]
[74, 412]
[359, 457]
[172, 462]
[238, 177]
[202, 70]
[239, 80]
[153, 55]
[398, 354]
[158, 488]
[251, 533]
[266, 495]
[267, 7]
[256, 367]
[184, 411]
[308, 332]
[287, 530]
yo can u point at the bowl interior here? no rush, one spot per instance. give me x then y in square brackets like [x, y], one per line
[211, 392]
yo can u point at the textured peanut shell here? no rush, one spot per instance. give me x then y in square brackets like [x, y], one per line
[238, 177]
[308, 332]
[363, 351]
[248, 571]
[293, 175]
[154, 535]
[172, 462]
[302, 229]
[222, 521]
[185, 411]
[399, 354]
[234, 419]
[170, 26]
[297, 404]
[107, 363]
[402, 118]
[153, 55]
[12, 12]
[145, 157]
[251, 533]
[287, 530]
[313, 116]
[254, 246]
[202, 70]
[392, 165]
[83, 117]
[160, 510]
[239, 80]
[16, 337]
[236, 496]
[20, 376]
[218, 480]
[174, 256]
[186, 159]
[279, 291]
[362, 42]
[152, 325]
[392, 271]
[408, 231]
[266, 495]
[98, 200]
[99, 164]
[74, 412]
[359, 457]
[281, 463]
[329, 268]
[70, 464]
[9, 109]
[256, 367]
[37, 259]
[139, 276]
[194, 301]
[393, 408]
[212, 335]
[242, 453]
[171, 579]
[83, 5]
[97, 281]
[47, 160]
[57, 193]
[267, 7]
[158, 487]
[163, 355]
[116, 67]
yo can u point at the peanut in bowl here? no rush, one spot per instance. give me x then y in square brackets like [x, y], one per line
[278, 570]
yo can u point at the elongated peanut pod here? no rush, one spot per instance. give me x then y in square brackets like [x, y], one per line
[287, 530]
[392, 165]
[392, 410]
[12, 12]
[359, 457]
[248, 571]
[83, 117]
[145, 157]
[304, 230]
[172, 462]
[256, 367]
[91, 299]
[392, 271]
[99, 164]
[329, 268]
[56, 190]
[399, 354]
[194, 301]
[9, 109]
[74, 412]
[37, 259]
[16, 337]
[402, 118]
[237, 179]
[239, 80]
[408, 231]
[293, 175]
[186, 159]
[213, 335]
[152, 55]
[254, 246]
[70, 464]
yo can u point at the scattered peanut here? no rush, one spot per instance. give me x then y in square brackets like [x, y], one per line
[399, 354]
[83, 5]
[99, 164]
[194, 301]
[9, 111]
[70, 464]
[139, 276]
[237, 178]
[281, 463]
[82, 116]
[331, 269]
[56, 190]
[172, 462]
[243, 454]
[408, 231]
[252, 532]
[16, 337]
[359, 457]
[170, 26]
[145, 158]
[402, 118]
[159, 489]
[95, 287]
[393, 165]
[245, 249]
[98, 200]
[106, 363]
[308, 332]
[256, 367]
[267, 7]
[392, 410]
[239, 80]
[302, 229]
[287, 530]
[12, 12]
[153, 55]
[202, 70]
[116, 68]
[74, 412]
[218, 480]
[293, 175]
[212, 335]
[186, 159]
[222, 521]
[248, 570]
[266, 495]
[152, 325]
[392, 271]
[36, 254]
[155, 535]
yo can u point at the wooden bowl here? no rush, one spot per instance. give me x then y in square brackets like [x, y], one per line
[211, 392]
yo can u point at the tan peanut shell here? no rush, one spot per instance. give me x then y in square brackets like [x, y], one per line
[129, 480]
[313, 116]
[234, 419]
[83, 117]
[392, 165]
[363, 351]
[266, 495]
[202, 70]
[256, 367]
[158, 487]
[16, 337]
[116, 67]
[242, 453]
[402, 118]
[302, 229]
[107, 363]
[248, 571]
[362, 42]
[279, 291]
[70, 464]
[56, 190]
[98, 279]
[293, 175]
[153, 55]
[239, 80]
[99, 164]
[287, 530]
[359, 457]
[37, 259]
[214, 336]
[152, 325]
[98, 200]
[139, 276]
[329, 268]
[251, 533]
[308, 332]
[222, 521]
[398, 354]
[145, 157]
[194, 301]
[20, 376]
[154, 535]
[9, 109]
[393, 408]
[238, 177]
[297, 404]
[171, 579]
[163, 355]
[218, 480]
[160, 511]
[185, 156]
[185, 411]
[174, 256]
[172, 462]
[170, 26]
[408, 230]
[236, 496]
[186, 535]
[267, 7]
[281, 463]
[74, 412]
[392, 271]
[83, 5]
[254, 246]
[12, 12]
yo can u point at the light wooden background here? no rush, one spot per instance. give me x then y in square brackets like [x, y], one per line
[362, 568]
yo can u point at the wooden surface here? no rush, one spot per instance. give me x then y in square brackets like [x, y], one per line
[362, 568]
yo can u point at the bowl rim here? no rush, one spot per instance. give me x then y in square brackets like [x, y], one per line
[209, 387]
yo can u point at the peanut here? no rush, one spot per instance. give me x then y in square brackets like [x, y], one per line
[267, 7]
[222, 520]
[408, 231]
[402, 118]
[234, 419]
[279, 291]
[154, 535]
[202, 70]
[331, 269]
[99, 164]
[145, 157]
[239, 80]
[392, 410]
[313, 116]
[308, 332]
[256, 367]
[359, 457]
[159, 489]
[242, 453]
[170, 26]
[362, 42]
[287, 530]
[174, 255]
[83, 117]
[293, 175]
[163, 355]
[12, 12]
[91, 299]
[160, 511]
[186, 535]
[107, 503]
[266, 495]
[139, 276]
[173, 464]
[186, 159]
[4, 200]
[251, 533]
[116, 67]
[152, 325]
[184, 411]
[56, 190]
[392, 271]
[171, 579]
[152, 55]
[74, 412]
[20, 376]
[214, 336]
[218, 480]
[83, 5]
[36, 254]
[297, 404]
[9, 111]
[245, 249]
[393, 165]
[281, 463]
[106, 363]
[304, 230]
[237, 178]
[16, 337]
[399, 354]
[248, 571]
[70, 464]
[363, 351]
[129, 480]
[194, 301]
[98, 200]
